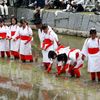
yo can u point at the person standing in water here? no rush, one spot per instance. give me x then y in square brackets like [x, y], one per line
[25, 33]
[91, 50]
[46, 61]
[14, 45]
[4, 39]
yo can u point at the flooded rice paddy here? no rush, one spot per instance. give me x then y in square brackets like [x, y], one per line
[28, 81]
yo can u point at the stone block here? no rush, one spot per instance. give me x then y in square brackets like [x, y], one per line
[91, 25]
[71, 21]
[24, 12]
[62, 15]
[78, 21]
[61, 23]
[12, 11]
[50, 19]
[97, 26]
[44, 17]
[85, 23]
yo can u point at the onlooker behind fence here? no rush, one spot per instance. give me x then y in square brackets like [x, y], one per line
[49, 4]
[32, 4]
[37, 3]
[78, 5]
[97, 5]
[75, 5]
[96, 9]
[4, 8]
[60, 4]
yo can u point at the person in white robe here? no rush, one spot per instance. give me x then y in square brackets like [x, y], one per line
[91, 50]
[4, 39]
[46, 61]
[74, 62]
[25, 49]
[14, 45]
[49, 43]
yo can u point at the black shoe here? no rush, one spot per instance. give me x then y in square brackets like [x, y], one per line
[72, 76]
[77, 76]
[31, 60]
[93, 80]
[8, 57]
[16, 58]
[98, 80]
[23, 61]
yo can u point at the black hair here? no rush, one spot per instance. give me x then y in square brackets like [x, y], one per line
[62, 57]
[52, 54]
[23, 21]
[44, 26]
[14, 19]
[93, 31]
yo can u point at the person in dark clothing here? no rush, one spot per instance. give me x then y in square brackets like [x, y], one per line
[40, 3]
[60, 4]
[25, 3]
[77, 6]
[36, 16]
[18, 3]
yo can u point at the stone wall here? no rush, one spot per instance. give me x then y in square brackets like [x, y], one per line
[72, 23]
[21, 12]
[65, 22]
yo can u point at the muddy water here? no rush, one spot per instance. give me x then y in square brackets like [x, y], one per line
[19, 81]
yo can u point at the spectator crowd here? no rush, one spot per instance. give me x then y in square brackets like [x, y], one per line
[66, 5]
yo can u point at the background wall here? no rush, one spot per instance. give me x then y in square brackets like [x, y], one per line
[66, 22]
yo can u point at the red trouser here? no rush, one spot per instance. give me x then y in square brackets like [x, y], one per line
[15, 54]
[61, 69]
[3, 53]
[47, 66]
[74, 71]
[94, 74]
[26, 57]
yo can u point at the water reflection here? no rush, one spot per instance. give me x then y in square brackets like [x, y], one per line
[20, 81]
[16, 79]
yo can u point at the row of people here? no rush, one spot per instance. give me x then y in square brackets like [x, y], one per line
[69, 60]
[16, 40]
